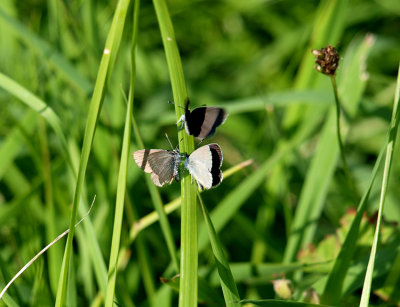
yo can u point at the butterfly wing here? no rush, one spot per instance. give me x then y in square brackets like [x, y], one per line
[204, 165]
[162, 164]
[142, 156]
[217, 158]
[203, 121]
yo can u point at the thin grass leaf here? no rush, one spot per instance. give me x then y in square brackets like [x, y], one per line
[123, 168]
[394, 125]
[94, 109]
[189, 258]
[228, 285]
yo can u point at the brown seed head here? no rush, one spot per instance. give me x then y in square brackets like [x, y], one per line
[327, 60]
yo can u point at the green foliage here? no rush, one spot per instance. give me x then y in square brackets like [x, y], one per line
[70, 77]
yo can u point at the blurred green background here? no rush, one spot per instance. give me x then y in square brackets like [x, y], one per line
[252, 57]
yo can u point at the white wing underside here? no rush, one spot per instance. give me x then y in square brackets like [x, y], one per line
[199, 166]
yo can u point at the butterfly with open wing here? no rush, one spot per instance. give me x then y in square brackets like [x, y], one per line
[203, 164]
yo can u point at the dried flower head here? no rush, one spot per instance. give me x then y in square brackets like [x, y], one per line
[327, 60]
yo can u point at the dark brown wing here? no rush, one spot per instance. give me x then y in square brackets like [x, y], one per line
[203, 121]
[162, 164]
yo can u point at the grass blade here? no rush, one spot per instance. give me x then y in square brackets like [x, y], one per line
[189, 261]
[394, 125]
[228, 285]
[123, 168]
[94, 109]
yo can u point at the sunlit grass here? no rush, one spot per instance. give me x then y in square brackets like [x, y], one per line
[65, 125]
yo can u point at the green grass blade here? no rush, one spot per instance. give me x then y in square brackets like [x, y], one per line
[119, 207]
[228, 285]
[394, 125]
[189, 258]
[123, 168]
[94, 109]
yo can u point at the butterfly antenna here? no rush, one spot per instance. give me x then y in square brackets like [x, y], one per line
[166, 135]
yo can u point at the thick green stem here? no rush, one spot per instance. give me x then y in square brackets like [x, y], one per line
[189, 260]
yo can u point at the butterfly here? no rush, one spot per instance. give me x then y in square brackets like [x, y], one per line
[203, 164]
[203, 121]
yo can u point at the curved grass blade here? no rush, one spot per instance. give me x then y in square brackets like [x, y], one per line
[228, 285]
[122, 174]
[94, 109]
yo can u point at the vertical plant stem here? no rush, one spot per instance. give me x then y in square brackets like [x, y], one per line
[189, 261]
[341, 147]
[121, 188]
